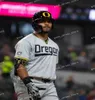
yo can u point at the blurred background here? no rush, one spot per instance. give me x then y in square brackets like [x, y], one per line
[74, 32]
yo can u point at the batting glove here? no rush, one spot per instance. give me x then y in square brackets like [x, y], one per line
[32, 89]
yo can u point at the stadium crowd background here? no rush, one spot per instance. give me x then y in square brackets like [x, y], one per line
[74, 32]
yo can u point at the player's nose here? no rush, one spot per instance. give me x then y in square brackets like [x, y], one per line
[46, 22]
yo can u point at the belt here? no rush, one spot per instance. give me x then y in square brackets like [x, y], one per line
[42, 79]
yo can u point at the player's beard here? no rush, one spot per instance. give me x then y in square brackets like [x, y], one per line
[46, 29]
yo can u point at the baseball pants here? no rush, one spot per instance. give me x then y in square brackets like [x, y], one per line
[47, 90]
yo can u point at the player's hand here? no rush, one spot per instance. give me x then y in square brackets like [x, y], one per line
[33, 90]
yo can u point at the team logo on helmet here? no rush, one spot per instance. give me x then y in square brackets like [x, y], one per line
[46, 14]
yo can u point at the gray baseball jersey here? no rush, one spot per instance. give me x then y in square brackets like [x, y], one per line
[42, 57]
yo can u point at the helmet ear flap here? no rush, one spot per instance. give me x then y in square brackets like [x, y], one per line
[37, 27]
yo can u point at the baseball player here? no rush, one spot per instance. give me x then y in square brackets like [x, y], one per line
[35, 62]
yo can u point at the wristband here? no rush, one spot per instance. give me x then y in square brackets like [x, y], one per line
[26, 80]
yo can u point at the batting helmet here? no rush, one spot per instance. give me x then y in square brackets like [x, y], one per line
[41, 16]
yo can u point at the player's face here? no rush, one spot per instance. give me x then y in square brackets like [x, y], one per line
[46, 25]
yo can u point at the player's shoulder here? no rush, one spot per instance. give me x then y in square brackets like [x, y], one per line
[25, 40]
[54, 43]
[28, 37]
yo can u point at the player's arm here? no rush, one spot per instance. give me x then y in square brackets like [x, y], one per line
[20, 69]
[22, 55]
[21, 60]
[22, 72]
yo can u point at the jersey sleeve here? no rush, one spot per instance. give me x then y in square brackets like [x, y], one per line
[22, 50]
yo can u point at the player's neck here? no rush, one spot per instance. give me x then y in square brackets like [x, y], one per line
[42, 36]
